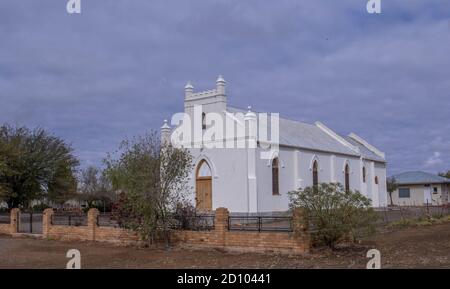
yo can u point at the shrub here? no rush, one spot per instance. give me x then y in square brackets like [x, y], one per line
[402, 223]
[40, 207]
[333, 213]
[184, 212]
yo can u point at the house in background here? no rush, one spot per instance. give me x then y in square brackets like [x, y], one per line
[309, 154]
[419, 188]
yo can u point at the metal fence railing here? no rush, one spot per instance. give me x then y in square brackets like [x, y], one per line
[107, 220]
[5, 218]
[30, 222]
[65, 219]
[392, 214]
[260, 223]
[194, 223]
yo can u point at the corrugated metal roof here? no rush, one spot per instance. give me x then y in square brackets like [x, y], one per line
[309, 136]
[417, 177]
[365, 152]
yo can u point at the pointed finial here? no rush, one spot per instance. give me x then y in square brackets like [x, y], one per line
[249, 108]
[220, 79]
[188, 85]
[165, 125]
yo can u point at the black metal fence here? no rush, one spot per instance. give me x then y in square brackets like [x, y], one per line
[107, 220]
[5, 218]
[69, 219]
[260, 223]
[30, 222]
[194, 223]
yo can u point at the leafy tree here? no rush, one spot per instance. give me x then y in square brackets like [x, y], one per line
[153, 180]
[34, 165]
[333, 213]
[391, 186]
[445, 174]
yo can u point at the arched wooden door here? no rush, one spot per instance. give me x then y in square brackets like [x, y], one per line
[203, 187]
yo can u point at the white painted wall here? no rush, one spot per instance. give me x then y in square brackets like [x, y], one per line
[229, 177]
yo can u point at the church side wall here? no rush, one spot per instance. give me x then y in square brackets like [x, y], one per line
[296, 172]
[229, 180]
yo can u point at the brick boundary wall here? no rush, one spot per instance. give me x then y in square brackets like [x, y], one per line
[296, 242]
[11, 228]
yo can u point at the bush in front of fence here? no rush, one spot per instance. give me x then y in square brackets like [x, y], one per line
[333, 213]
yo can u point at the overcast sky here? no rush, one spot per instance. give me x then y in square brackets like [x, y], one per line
[119, 68]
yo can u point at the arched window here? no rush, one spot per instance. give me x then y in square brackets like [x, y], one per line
[347, 178]
[376, 180]
[203, 120]
[203, 170]
[364, 174]
[275, 177]
[315, 174]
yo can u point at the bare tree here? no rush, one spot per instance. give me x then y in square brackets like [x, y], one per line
[94, 187]
[153, 180]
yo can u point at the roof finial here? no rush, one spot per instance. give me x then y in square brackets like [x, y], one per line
[220, 85]
[165, 125]
[188, 89]
[188, 85]
[220, 79]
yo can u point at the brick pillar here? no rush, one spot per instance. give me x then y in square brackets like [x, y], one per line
[221, 225]
[301, 232]
[92, 222]
[46, 222]
[14, 221]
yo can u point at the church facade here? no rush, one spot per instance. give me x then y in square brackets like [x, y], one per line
[240, 179]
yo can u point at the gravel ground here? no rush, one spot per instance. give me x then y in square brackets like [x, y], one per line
[418, 247]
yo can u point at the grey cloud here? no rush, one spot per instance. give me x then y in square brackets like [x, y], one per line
[119, 68]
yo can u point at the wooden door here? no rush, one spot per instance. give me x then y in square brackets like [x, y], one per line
[204, 194]
[203, 190]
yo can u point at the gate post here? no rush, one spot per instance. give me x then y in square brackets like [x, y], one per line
[14, 220]
[221, 225]
[46, 222]
[92, 222]
[301, 230]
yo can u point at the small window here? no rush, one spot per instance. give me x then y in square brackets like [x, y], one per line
[364, 174]
[347, 178]
[435, 190]
[275, 177]
[376, 180]
[404, 193]
[315, 174]
[203, 120]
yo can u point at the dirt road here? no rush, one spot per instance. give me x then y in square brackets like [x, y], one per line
[419, 247]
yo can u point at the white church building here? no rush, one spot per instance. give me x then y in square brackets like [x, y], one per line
[240, 179]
